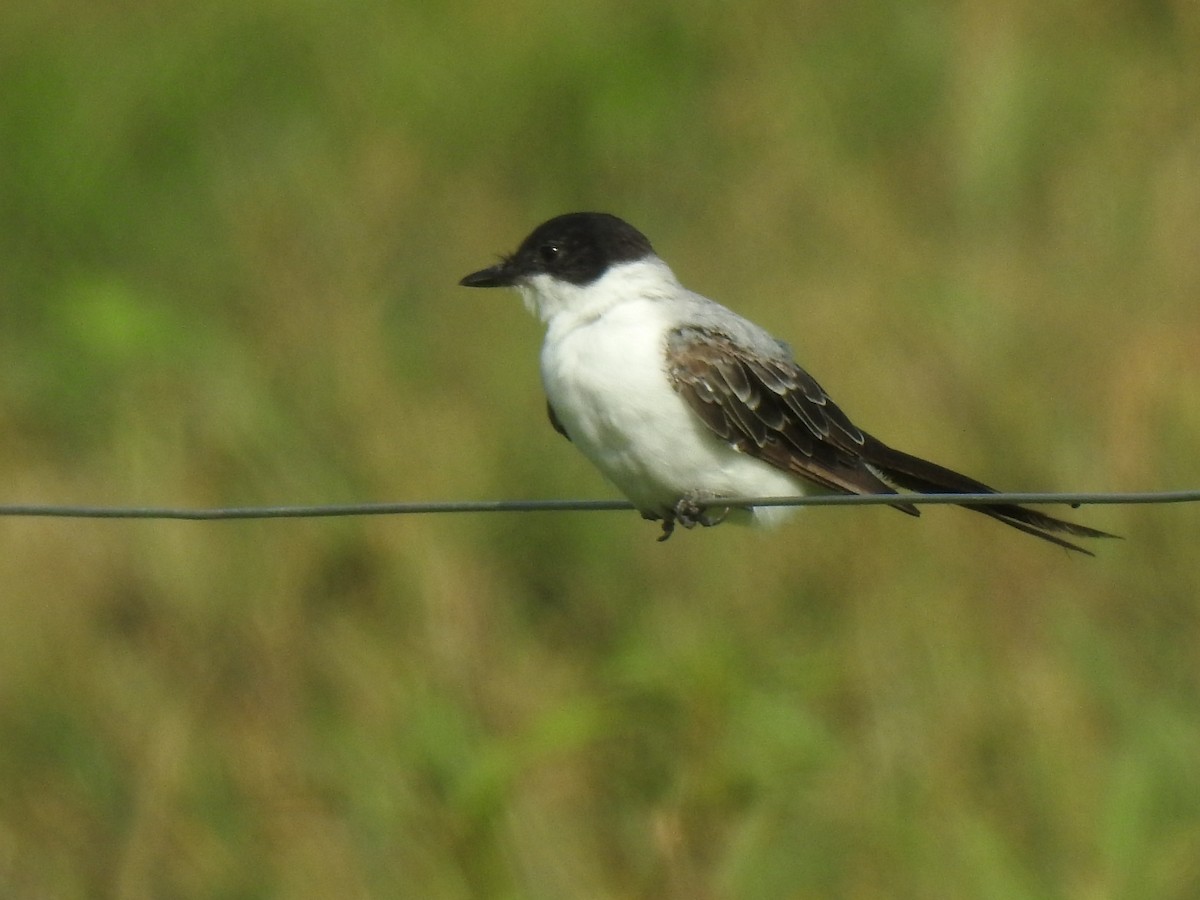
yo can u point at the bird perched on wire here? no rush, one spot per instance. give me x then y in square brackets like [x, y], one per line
[681, 402]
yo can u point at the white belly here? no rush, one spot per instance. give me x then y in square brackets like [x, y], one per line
[608, 385]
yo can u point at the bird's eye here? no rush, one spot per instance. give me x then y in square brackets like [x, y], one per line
[548, 252]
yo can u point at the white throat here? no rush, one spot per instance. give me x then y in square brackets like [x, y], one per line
[566, 305]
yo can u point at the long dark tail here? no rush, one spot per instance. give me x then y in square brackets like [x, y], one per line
[916, 474]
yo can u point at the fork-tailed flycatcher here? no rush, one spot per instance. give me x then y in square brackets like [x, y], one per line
[680, 402]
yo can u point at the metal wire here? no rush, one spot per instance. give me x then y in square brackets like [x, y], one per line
[1075, 500]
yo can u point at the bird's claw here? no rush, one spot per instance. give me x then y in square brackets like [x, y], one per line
[689, 513]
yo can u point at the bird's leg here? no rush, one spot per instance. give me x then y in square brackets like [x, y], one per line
[689, 512]
[708, 521]
[668, 524]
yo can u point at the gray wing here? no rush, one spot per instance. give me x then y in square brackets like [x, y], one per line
[770, 408]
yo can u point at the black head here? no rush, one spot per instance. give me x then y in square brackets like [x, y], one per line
[576, 247]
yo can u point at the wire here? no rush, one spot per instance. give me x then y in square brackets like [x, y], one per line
[1074, 500]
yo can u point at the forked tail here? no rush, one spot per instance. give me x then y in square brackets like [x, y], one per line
[916, 474]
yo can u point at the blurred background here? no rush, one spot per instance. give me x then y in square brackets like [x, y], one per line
[230, 236]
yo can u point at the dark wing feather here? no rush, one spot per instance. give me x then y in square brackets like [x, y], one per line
[772, 409]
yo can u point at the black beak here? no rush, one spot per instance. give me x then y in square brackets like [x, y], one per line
[499, 275]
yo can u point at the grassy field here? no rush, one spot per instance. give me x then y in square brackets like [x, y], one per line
[230, 235]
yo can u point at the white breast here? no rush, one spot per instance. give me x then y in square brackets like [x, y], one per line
[605, 375]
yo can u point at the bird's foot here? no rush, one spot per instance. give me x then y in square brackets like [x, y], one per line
[668, 528]
[668, 523]
[689, 512]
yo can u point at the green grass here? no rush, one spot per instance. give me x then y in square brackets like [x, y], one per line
[230, 240]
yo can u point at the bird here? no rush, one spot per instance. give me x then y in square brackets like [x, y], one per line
[680, 402]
